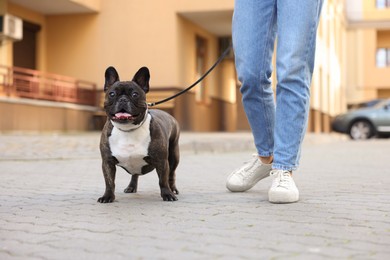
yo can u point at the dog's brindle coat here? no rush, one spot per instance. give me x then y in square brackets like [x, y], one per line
[135, 138]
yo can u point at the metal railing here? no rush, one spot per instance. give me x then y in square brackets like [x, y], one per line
[33, 84]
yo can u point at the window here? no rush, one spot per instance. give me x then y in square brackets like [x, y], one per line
[383, 57]
[381, 4]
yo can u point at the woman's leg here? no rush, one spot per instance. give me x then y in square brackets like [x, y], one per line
[297, 26]
[254, 29]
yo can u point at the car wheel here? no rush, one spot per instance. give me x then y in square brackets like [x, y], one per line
[361, 130]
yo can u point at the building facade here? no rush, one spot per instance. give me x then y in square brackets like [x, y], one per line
[328, 97]
[368, 52]
[73, 41]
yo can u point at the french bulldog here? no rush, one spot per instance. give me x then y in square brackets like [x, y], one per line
[135, 138]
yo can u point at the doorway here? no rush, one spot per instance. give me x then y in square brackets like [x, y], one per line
[25, 51]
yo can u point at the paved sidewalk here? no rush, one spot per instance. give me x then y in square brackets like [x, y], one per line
[50, 184]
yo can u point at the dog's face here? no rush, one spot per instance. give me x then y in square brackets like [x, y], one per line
[125, 101]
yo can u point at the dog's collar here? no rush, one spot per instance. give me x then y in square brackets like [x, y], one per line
[135, 128]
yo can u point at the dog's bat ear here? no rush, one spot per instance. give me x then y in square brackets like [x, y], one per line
[142, 78]
[111, 76]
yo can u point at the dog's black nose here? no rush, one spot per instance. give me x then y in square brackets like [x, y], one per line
[123, 99]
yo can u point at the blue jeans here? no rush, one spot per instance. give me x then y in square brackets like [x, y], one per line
[279, 129]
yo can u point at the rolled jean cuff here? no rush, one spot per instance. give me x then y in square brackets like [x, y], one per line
[284, 167]
[265, 154]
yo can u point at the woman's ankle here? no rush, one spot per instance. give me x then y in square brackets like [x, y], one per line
[266, 159]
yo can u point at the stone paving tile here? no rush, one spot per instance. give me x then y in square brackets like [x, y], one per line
[54, 146]
[48, 207]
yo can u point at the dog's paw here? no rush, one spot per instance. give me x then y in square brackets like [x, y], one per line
[106, 198]
[167, 195]
[130, 189]
[175, 191]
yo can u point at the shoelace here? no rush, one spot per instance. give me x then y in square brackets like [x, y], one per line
[283, 176]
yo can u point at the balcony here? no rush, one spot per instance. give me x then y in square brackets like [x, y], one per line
[50, 7]
[368, 14]
[32, 84]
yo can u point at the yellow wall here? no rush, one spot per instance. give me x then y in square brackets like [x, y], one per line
[360, 65]
[187, 33]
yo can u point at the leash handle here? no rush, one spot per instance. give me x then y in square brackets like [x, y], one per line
[224, 54]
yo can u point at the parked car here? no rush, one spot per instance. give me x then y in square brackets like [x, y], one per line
[369, 103]
[366, 122]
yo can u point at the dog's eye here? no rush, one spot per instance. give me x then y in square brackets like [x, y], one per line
[112, 94]
[134, 94]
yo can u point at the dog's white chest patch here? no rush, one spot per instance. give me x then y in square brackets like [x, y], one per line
[130, 148]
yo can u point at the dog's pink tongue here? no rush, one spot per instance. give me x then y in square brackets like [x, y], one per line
[123, 115]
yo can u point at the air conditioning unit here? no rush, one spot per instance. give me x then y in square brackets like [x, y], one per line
[11, 27]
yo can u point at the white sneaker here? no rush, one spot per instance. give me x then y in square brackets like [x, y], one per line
[283, 189]
[248, 175]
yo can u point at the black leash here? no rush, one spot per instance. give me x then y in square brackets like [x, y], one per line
[224, 54]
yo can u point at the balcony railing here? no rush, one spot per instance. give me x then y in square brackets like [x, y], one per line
[32, 84]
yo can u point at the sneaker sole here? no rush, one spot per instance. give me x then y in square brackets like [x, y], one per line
[282, 198]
